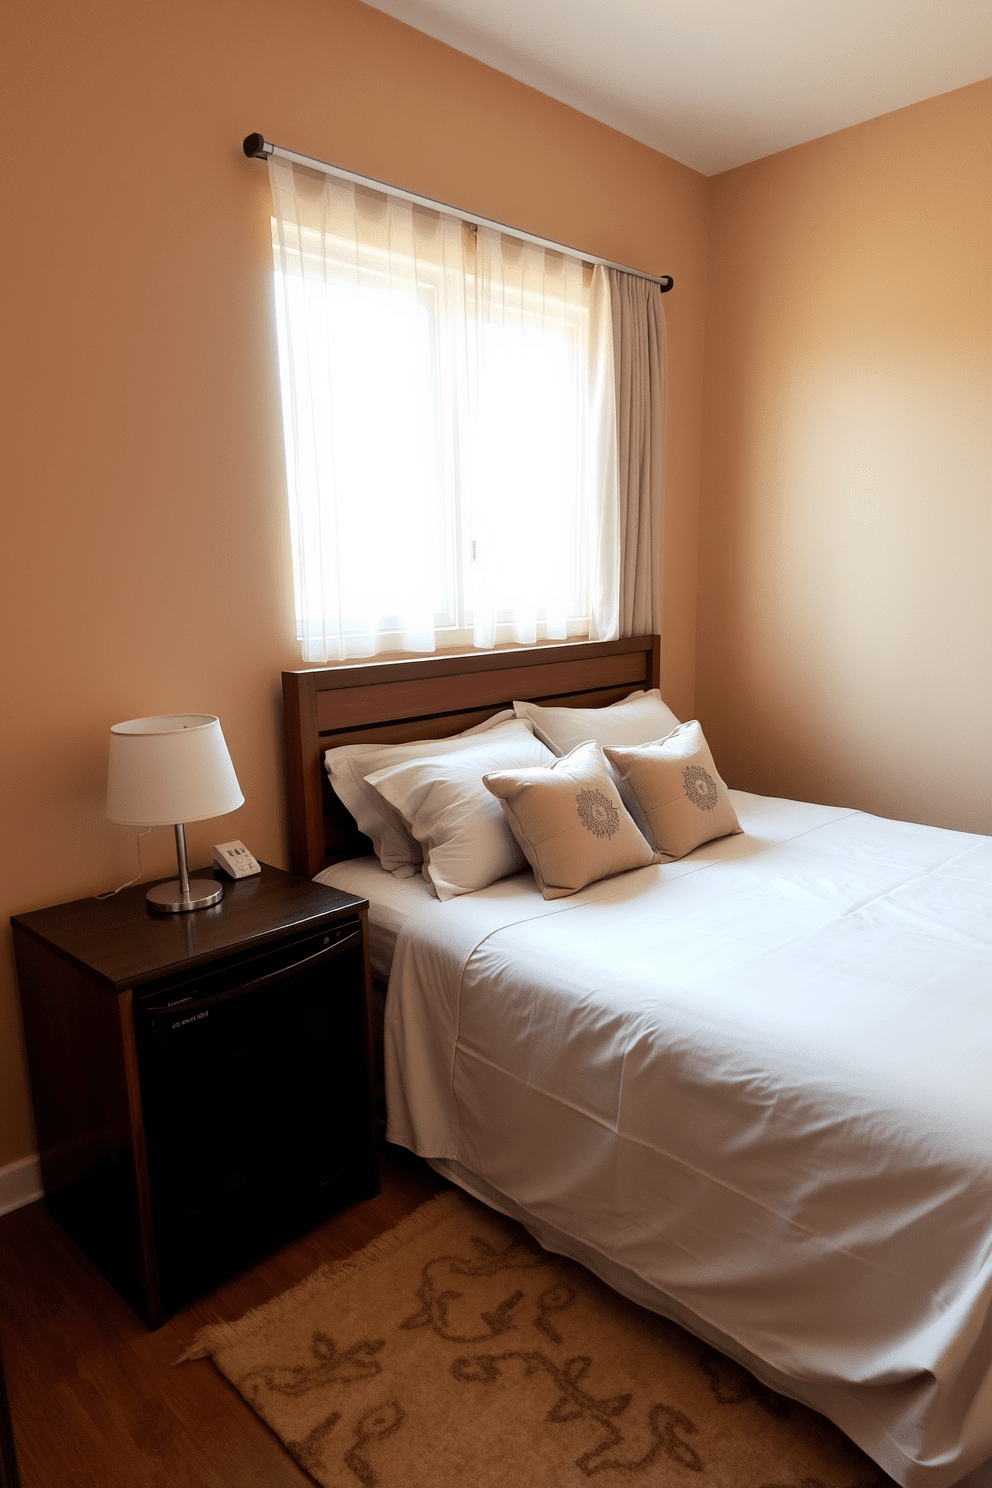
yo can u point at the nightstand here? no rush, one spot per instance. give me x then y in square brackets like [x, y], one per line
[201, 1082]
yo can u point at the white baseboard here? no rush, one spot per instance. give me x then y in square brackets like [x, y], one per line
[20, 1183]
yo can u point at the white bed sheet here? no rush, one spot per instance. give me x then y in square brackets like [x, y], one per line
[757, 1082]
[391, 902]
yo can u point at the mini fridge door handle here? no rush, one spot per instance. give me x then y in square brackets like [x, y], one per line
[292, 968]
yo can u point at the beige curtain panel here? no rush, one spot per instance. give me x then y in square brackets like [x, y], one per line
[641, 390]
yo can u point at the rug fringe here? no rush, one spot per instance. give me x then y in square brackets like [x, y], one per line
[217, 1336]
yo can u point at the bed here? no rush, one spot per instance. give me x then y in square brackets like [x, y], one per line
[748, 1087]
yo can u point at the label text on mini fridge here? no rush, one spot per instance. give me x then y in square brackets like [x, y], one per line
[181, 1022]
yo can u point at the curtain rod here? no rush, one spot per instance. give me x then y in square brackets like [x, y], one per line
[257, 148]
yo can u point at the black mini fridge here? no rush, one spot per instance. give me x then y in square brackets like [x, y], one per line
[256, 1104]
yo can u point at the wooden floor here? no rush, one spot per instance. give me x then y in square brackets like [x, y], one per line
[94, 1396]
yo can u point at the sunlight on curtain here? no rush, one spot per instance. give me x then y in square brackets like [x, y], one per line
[449, 424]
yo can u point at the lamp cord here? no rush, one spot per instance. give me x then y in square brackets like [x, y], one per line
[111, 892]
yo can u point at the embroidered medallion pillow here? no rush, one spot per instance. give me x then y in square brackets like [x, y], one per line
[674, 792]
[570, 822]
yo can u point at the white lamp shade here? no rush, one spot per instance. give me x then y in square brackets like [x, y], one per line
[168, 770]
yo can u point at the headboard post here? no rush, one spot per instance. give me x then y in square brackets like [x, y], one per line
[303, 770]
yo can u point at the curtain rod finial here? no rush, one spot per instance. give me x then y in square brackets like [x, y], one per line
[667, 283]
[254, 147]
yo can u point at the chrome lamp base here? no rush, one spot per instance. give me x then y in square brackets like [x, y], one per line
[182, 894]
[170, 898]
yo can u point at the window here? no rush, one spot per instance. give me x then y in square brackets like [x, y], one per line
[449, 427]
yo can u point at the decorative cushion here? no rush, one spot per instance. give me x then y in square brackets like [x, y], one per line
[467, 843]
[570, 821]
[349, 764]
[674, 792]
[637, 719]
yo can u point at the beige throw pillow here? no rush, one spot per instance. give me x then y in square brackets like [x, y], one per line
[674, 791]
[570, 821]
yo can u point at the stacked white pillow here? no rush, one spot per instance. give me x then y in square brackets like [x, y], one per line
[460, 826]
[640, 718]
[349, 765]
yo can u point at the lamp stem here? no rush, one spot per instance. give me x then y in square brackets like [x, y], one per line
[201, 893]
[181, 855]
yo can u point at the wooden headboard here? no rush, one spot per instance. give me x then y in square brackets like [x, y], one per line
[393, 701]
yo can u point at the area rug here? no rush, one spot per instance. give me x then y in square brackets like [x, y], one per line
[454, 1351]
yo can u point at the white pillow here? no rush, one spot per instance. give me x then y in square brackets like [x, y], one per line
[467, 843]
[349, 764]
[638, 719]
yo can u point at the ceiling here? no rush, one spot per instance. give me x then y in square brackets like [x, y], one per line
[715, 83]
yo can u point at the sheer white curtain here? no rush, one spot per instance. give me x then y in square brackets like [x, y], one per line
[450, 427]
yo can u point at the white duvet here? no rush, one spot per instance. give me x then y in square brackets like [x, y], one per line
[759, 1081]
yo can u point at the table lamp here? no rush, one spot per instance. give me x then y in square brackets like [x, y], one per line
[165, 772]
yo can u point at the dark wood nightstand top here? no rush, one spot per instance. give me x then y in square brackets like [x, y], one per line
[124, 943]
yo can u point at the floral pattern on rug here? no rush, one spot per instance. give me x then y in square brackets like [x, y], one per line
[456, 1351]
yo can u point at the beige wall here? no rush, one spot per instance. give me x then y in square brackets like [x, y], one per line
[844, 598]
[145, 558]
[844, 649]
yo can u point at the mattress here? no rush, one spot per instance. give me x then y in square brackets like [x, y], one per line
[753, 1085]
